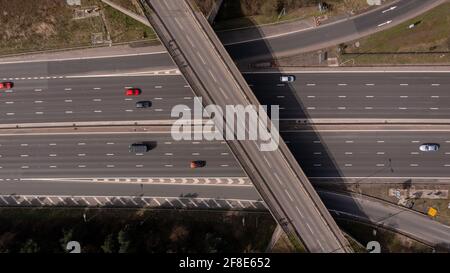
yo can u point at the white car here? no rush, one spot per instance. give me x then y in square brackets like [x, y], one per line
[287, 78]
[429, 147]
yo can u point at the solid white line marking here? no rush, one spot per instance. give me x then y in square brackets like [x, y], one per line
[385, 23]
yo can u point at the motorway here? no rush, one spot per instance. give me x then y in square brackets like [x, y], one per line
[408, 95]
[92, 99]
[370, 154]
[63, 98]
[411, 95]
[322, 154]
[97, 155]
[330, 34]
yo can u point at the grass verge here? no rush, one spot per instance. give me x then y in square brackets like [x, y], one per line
[246, 13]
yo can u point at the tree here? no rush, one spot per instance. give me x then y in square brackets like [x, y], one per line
[30, 246]
[179, 233]
[124, 241]
[110, 244]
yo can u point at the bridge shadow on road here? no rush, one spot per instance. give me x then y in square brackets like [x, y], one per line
[308, 148]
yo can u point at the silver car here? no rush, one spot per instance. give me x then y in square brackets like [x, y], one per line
[429, 147]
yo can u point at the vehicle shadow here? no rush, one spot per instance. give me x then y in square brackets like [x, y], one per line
[307, 145]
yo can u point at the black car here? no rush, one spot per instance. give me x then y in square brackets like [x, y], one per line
[143, 104]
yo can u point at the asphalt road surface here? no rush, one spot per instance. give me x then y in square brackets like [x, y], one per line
[59, 67]
[92, 99]
[370, 210]
[100, 155]
[313, 95]
[418, 95]
[364, 155]
[370, 154]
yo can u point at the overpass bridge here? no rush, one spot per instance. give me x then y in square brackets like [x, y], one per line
[212, 75]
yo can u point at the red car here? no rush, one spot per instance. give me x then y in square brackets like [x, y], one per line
[133, 92]
[6, 85]
[198, 164]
